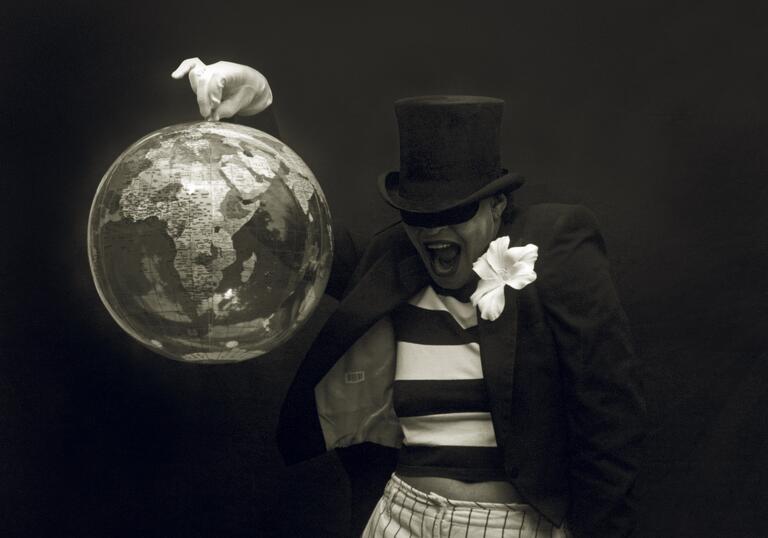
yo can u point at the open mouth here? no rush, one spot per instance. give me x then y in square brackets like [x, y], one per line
[443, 256]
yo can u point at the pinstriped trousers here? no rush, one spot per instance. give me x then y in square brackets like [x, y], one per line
[406, 512]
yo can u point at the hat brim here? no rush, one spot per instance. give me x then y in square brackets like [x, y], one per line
[389, 188]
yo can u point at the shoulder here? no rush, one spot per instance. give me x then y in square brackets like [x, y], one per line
[548, 221]
[391, 238]
[567, 236]
[552, 226]
[388, 241]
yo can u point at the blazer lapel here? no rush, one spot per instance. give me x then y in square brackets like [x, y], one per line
[498, 346]
[389, 282]
[498, 343]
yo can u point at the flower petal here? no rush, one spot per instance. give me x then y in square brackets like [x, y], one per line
[495, 253]
[484, 269]
[483, 288]
[518, 266]
[528, 254]
[492, 304]
[521, 277]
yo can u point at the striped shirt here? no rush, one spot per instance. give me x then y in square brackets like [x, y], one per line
[439, 392]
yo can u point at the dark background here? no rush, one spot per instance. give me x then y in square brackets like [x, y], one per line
[653, 114]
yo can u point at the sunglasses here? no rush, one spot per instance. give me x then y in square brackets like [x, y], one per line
[455, 215]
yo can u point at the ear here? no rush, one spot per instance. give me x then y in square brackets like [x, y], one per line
[498, 204]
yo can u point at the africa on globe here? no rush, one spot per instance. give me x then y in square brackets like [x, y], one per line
[210, 242]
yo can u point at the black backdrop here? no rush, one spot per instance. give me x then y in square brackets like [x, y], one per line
[653, 114]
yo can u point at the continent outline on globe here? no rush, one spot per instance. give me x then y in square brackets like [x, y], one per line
[210, 241]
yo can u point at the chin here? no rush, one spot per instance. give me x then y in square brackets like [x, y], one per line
[455, 281]
[448, 283]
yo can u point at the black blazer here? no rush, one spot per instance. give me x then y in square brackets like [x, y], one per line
[558, 363]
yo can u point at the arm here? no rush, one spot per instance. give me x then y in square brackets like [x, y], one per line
[265, 121]
[230, 90]
[345, 259]
[606, 411]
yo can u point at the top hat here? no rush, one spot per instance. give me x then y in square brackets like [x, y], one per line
[449, 153]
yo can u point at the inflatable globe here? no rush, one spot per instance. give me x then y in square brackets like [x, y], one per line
[209, 242]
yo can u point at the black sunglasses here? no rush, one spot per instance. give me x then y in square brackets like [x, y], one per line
[455, 215]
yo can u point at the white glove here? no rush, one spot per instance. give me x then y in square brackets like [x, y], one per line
[224, 89]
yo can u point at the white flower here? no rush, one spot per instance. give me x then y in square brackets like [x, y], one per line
[502, 266]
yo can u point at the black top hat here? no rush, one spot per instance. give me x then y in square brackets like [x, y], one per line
[449, 153]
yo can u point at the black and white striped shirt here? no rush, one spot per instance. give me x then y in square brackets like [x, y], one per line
[439, 392]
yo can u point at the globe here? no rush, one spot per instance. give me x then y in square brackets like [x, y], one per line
[209, 242]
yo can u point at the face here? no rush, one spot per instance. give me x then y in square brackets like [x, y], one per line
[449, 251]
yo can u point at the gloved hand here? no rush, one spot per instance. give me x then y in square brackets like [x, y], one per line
[224, 89]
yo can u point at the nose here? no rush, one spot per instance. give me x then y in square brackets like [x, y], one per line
[434, 230]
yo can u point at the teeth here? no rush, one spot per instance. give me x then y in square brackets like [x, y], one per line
[437, 246]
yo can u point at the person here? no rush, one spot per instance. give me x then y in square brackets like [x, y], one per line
[482, 343]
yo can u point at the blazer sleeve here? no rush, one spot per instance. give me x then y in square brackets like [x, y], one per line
[345, 259]
[265, 120]
[605, 407]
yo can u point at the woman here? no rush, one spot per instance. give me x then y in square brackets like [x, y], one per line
[483, 342]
